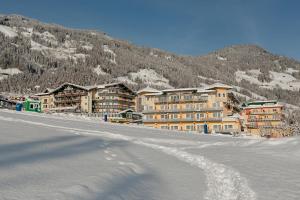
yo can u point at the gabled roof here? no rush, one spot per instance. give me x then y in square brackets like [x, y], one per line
[114, 84]
[70, 84]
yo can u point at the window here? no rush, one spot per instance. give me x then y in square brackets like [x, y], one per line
[200, 115]
[189, 106]
[219, 94]
[224, 95]
[174, 107]
[164, 127]
[216, 114]
[189, 127]
[31, 106]
[187, 97]
[228, 126]
[45, 100]
[149, 116]
[217, 127]
[200, 127]
[189, 116]
[216, 105]
[174, 127]
[174, 116]
[174, 98]
[164, 116]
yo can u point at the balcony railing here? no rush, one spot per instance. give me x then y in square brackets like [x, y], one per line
[183, 110]
[263, 113]
[162, 101]
[67, 101]
[264, 119]
[184, 120]
[63, 94]
[116, 94]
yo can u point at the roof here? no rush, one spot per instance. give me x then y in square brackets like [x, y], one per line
[71, 84]
[180, 89]
[113, 84]
[218, 85]
[129, 110]
[259, 103]
[148, 90]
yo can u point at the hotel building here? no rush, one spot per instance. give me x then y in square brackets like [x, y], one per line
[190, 109]
[264, 118]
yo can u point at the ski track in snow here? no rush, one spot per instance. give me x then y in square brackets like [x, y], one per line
[224, 183]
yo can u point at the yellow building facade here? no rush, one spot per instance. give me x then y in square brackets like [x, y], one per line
[189, 109]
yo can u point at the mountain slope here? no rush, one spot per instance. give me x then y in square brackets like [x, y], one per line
[35, 56]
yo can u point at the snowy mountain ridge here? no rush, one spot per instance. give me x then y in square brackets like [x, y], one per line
[48, 55]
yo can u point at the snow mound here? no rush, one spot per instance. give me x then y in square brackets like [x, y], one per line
[8, 31]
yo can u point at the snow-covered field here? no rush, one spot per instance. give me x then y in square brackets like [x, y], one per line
[57, 157]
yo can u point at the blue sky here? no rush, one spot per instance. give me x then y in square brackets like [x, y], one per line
[189, 27]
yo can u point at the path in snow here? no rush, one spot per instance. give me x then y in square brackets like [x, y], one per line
[224, 183]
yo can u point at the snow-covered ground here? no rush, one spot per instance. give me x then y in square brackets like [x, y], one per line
[54, 157]
[148, 76]
[8, 31]
[283, 80]
[4, 73]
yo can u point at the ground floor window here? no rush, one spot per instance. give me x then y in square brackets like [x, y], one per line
[164, 127]
[229, 126]
[217, 127]
[174, 127]
[189, 127]
[200, 127]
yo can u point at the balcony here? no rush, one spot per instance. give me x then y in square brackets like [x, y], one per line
[116, 94]
[263, 113]
[170, 101]
[183, 120]
[67, 100]
[264, 119]
[68, 94]
[184, 110]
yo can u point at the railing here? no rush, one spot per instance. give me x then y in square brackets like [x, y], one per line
[184, 120]
[264, 119]
[263, 113]
[114, 100]
[115, 94]
[67, 101]
[70, 94]
[182, 110]
[160, 101]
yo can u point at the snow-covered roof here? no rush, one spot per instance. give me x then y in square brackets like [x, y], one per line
[148, 90]
[180, 89]
[218, 85]
[71, 84]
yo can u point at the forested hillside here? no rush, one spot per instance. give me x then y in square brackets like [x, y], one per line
[35, 56]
